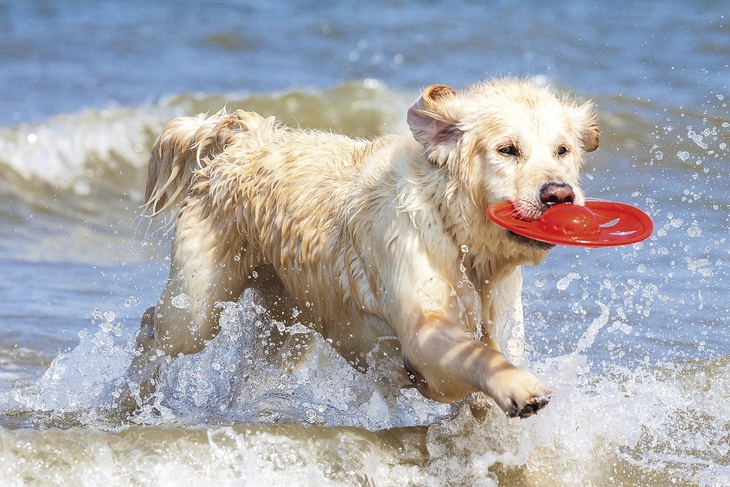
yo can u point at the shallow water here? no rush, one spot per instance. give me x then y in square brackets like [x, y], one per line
[632, 341]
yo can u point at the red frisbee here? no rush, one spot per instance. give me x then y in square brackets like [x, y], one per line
[597, 224]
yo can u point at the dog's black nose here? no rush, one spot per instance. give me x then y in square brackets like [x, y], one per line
[556, 193]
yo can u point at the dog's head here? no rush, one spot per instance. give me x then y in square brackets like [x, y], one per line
[507, 140]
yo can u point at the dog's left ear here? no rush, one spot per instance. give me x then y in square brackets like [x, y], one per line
[587, 126]
[433, 122]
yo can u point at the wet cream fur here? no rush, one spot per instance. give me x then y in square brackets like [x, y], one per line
[373, 238]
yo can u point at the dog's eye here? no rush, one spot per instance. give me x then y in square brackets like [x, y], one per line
[562, 150]
[509, 150]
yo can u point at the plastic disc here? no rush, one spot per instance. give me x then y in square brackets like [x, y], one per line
[597, 224]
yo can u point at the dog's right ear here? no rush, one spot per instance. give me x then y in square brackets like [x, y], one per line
[433, 122]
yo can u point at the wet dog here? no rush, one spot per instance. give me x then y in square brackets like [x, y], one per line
[378, 238]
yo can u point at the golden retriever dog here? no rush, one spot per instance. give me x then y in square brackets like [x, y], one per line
[373, 238]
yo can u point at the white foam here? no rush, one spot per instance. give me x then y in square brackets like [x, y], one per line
[59, 151]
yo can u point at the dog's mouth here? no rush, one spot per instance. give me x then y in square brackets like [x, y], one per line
[528, 213]
[528, 242]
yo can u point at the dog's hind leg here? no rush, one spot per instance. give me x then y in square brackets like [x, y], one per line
[206, 267]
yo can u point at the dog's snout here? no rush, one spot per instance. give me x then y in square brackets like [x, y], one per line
[556, 193]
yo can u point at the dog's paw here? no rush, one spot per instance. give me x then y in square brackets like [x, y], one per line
[518, 393]
[532, 406]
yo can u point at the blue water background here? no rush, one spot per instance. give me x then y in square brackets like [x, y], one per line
[63, 55]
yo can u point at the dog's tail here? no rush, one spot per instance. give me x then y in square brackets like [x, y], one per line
[189, 143]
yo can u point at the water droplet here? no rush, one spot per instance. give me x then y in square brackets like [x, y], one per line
[565, 282]
[182, 301]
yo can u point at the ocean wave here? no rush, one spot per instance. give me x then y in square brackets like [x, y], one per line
[73, 150]
[108, 149]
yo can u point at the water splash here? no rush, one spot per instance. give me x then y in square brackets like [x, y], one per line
[663, 424]
[256, 370]
[79, 380]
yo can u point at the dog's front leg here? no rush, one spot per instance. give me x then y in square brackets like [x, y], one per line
[446, 364]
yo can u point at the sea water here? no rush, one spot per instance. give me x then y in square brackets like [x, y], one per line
[632, 341]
